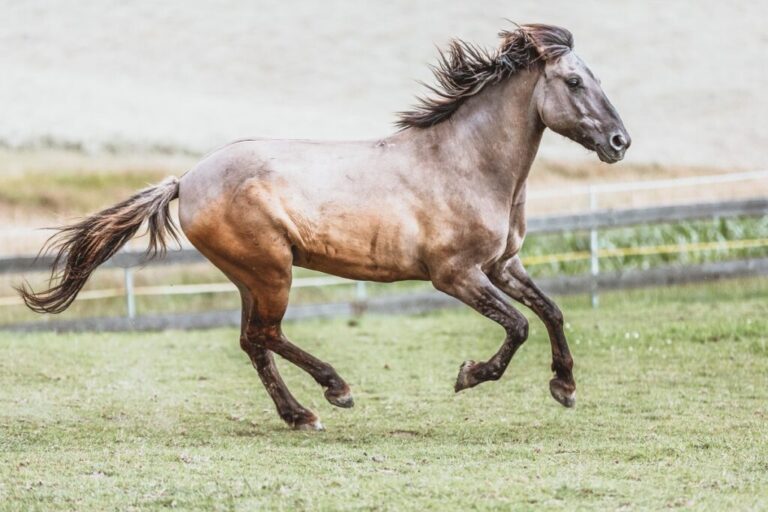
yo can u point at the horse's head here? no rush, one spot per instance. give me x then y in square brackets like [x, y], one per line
[570, 100]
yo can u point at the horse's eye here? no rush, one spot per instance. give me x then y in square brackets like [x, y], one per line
[573, 82]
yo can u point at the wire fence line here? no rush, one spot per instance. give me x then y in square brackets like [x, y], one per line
[591, 221]
[411, 303]
[312, 282]
[632, 186]
[593, 192]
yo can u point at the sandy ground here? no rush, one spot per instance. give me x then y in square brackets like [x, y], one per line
[689, 77]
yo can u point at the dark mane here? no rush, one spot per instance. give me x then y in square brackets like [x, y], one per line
[464, 69]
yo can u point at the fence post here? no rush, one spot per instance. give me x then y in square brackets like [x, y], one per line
[594, 255]
[361, 299]
[130, 298]
[361, 293]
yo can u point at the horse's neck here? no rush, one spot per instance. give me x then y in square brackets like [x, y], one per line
[495, 134]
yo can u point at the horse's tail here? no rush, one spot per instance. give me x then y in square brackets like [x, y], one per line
[83, 246]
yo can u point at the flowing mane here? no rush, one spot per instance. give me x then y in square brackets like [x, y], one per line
[464, 69]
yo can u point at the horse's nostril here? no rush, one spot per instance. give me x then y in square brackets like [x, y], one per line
[618, 142]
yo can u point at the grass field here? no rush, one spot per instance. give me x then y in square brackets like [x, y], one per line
[672, 413]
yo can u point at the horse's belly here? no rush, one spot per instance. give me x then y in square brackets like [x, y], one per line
[360, 249]
[358, 269]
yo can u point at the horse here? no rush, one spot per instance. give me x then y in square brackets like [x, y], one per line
[441, 200]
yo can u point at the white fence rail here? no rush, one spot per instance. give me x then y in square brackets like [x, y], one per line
[590, 221]
[407, 303]
[665, 184]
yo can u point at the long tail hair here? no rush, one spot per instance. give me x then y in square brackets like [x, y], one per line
[83, 246]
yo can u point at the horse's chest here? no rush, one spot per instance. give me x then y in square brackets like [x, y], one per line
[498, 237]
[483, 238]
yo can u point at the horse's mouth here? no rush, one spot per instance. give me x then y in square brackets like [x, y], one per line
[608, 156]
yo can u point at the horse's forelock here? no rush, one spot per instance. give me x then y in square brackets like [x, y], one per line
[551, 41]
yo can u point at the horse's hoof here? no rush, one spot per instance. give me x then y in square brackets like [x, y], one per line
[344, 400]
[465, 380]
[562, 392]
[313, 426]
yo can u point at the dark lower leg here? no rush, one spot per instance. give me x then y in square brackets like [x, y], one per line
[289, 409]
[271, 338]
[473, 373]
[516, 283]
[475, 290]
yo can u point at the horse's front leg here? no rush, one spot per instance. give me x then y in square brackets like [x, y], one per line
[512, 278]
[472, 287]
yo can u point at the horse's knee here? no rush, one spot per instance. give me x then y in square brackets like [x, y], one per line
[518, 330]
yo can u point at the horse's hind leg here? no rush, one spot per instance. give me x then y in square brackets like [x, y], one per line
[268, 335]
[264, 280]
[289, 409]
[269, 291]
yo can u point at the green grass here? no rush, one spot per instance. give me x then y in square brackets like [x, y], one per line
[672, 413]
[680, 234]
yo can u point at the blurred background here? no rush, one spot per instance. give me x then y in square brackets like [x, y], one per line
[101, 97]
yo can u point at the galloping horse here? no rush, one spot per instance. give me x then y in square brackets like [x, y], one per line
[441, 200]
